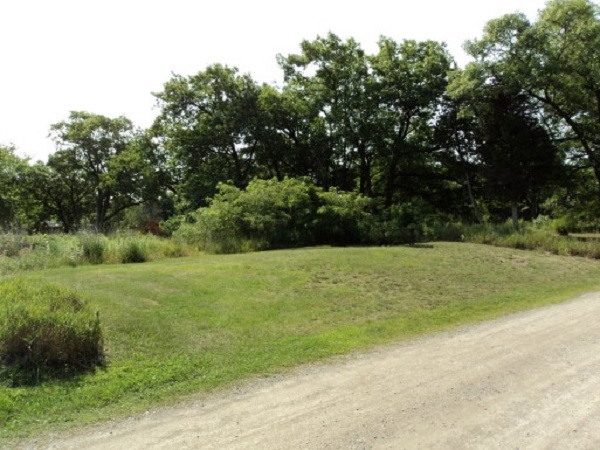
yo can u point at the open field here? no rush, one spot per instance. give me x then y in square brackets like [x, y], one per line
[178, 327]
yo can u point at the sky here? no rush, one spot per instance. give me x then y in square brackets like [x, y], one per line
[107, 57]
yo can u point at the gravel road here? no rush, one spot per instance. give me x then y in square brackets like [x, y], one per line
[526, 381]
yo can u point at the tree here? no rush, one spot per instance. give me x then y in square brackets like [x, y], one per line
[207, 126]
[514, 154]
[334, 76]
[66, 190]
[100, 154]
[517, 155]
[288, 135]
[13, 170]
[555, 62]
[455, 132]
[410, 79]
[564, 74]
[375, 112]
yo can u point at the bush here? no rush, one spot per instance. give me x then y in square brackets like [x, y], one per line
[94, 246]
[342, 219]
[276, 214]
[10, 245]
[46, 331]
[133, 251]
[564, 225]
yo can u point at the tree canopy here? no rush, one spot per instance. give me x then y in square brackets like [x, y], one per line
[404, 127]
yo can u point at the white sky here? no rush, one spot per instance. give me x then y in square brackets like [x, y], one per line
[106, 57]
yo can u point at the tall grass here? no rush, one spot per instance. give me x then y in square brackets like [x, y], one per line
[532, 237]
[46, 331]
[23, 252]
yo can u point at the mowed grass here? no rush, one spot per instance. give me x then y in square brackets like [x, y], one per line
[191, 325]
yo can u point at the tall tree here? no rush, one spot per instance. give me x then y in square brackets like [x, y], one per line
[289, 135]
[455, 132]
[207, 124]
[563, 55]
[410, 79]
[334, 76]
[13, 171]
[517, 155]
[555, 62]
[66, 190]
[100, 151]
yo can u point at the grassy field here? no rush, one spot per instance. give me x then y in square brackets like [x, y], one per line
[190, 325]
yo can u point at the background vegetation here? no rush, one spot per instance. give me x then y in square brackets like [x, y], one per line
[514, 134]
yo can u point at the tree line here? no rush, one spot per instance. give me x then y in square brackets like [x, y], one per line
[515, 134]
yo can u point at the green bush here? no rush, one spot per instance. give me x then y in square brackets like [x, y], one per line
[46, 331]
[564, 225]
[133, 251]
[94, 246]
[277, 214]
[342, 219]
[173, 249]
[533, 237]
[10, 245]
[444, 231]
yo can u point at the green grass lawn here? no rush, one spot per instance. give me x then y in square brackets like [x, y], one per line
[182, 326]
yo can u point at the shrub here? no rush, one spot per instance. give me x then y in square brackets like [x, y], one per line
[46, 331]
[274, 214]
[94, 246]
[342, 219]
[444, 231]
[10, 245]
[564, 225]
[133, 251]
[173, 249]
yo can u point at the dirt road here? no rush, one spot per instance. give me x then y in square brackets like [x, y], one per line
[530, 380]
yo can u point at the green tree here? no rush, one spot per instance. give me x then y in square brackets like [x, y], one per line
[518, 158]
[334, 76]
[455, 132]
[13, 172]
[288, 135]
[66, 190]
[409, 81]
[104, 154]
[207, 127]
[555, 62]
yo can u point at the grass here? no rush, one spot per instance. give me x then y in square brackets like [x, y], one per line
[191, 325]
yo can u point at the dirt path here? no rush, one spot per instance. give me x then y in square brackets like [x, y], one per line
[530, 380]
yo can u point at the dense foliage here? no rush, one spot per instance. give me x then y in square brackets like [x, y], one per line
[272, 214]
[514, 134]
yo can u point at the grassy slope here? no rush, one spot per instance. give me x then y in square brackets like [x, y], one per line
[194, 324]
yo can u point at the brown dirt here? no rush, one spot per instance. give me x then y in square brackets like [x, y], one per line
[529, 380]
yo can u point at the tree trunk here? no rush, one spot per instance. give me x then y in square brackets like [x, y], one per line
[472, 199]
[366, 187]
[515, 215]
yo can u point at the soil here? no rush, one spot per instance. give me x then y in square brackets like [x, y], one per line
[526, 381]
